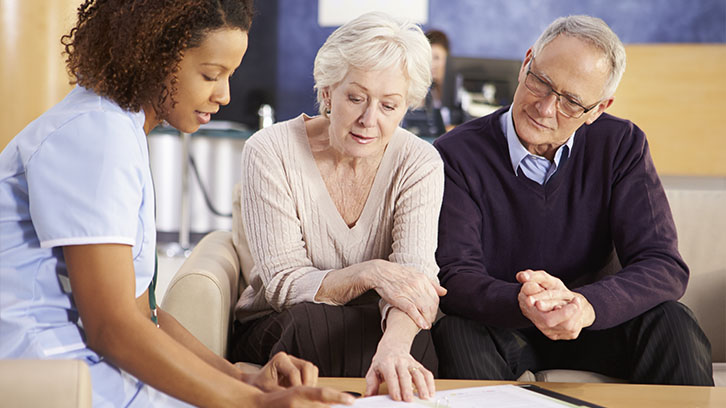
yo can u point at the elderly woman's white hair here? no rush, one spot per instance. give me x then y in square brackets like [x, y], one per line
[596, 32]
[375, 41]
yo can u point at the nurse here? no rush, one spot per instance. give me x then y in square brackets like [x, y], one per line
[77, 226]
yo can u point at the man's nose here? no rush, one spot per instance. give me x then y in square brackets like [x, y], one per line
[548, 104]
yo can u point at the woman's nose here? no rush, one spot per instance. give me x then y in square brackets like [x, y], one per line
[221, 93]
[368, 119]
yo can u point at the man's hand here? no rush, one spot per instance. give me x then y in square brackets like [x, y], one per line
[559, 313]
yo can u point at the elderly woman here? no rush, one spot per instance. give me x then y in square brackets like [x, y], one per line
[340, 212]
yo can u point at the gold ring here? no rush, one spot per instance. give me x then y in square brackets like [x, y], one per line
[413, 369]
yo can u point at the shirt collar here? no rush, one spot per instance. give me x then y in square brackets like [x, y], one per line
[138, 117]
[517, 152]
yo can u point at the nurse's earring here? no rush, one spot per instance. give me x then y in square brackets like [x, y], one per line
[327, 109]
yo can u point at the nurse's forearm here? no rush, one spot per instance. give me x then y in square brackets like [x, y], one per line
[150, 354]
[179, 333]
[118, 327]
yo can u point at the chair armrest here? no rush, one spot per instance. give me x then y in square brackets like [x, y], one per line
[45, 383]
[202, 294]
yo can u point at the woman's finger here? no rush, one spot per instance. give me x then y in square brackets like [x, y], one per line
[373, 382]
[419, 380]
[405, 383]
[430, 383]
[286, 369]
[415, 314]
[308, 371]
[310, 374]
[391, 378]
[440, 290]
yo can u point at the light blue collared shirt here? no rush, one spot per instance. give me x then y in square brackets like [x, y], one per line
[77, 175]
[536, 168]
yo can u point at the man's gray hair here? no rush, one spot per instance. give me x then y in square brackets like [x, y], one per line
[596, 32]
[375, 41]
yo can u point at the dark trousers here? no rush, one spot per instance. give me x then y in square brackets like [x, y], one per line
[340, 340]
[664, 345]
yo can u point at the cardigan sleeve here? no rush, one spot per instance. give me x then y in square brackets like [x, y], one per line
[282, 268]
[645, 240]
[415, 219]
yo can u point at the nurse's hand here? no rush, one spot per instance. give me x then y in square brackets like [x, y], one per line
[302, 396]
[284, 371]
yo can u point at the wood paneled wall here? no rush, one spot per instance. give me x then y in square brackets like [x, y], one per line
[676, 93]
[32, 70]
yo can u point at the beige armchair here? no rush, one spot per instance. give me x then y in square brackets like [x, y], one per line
[203, 292]
[45, 383]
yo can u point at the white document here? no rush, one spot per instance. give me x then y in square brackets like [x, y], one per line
[499, 396]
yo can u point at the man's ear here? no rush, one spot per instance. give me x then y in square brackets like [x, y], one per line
[527, 58]
[592, 116]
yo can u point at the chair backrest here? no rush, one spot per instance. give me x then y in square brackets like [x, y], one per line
[698, 205]
[699, 211]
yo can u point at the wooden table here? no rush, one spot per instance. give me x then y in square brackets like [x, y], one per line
[608, 395]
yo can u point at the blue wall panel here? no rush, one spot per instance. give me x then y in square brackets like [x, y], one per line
[506, 28]
[299, 40]
[494, 29]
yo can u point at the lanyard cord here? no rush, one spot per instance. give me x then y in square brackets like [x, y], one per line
[152, 285]
[152, 291]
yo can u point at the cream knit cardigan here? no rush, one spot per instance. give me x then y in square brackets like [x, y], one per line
[296, 234]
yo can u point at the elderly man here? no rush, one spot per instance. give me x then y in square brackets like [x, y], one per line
[538, 198]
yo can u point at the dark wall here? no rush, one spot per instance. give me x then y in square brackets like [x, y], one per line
[255, 81]
[301, 36]
[281, 54]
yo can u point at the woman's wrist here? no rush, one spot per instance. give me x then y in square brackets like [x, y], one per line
[400, 331]
[366, 274]
[394, 343]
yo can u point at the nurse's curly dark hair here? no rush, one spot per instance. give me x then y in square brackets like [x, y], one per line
[126, 50]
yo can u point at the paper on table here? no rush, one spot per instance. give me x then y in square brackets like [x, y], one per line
[500, 396]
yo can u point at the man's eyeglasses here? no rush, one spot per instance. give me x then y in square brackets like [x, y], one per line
[542, 89]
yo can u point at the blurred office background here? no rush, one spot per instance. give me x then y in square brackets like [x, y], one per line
[286, 34]
[674, 87]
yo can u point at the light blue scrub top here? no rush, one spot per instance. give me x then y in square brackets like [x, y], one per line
[79, 174]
